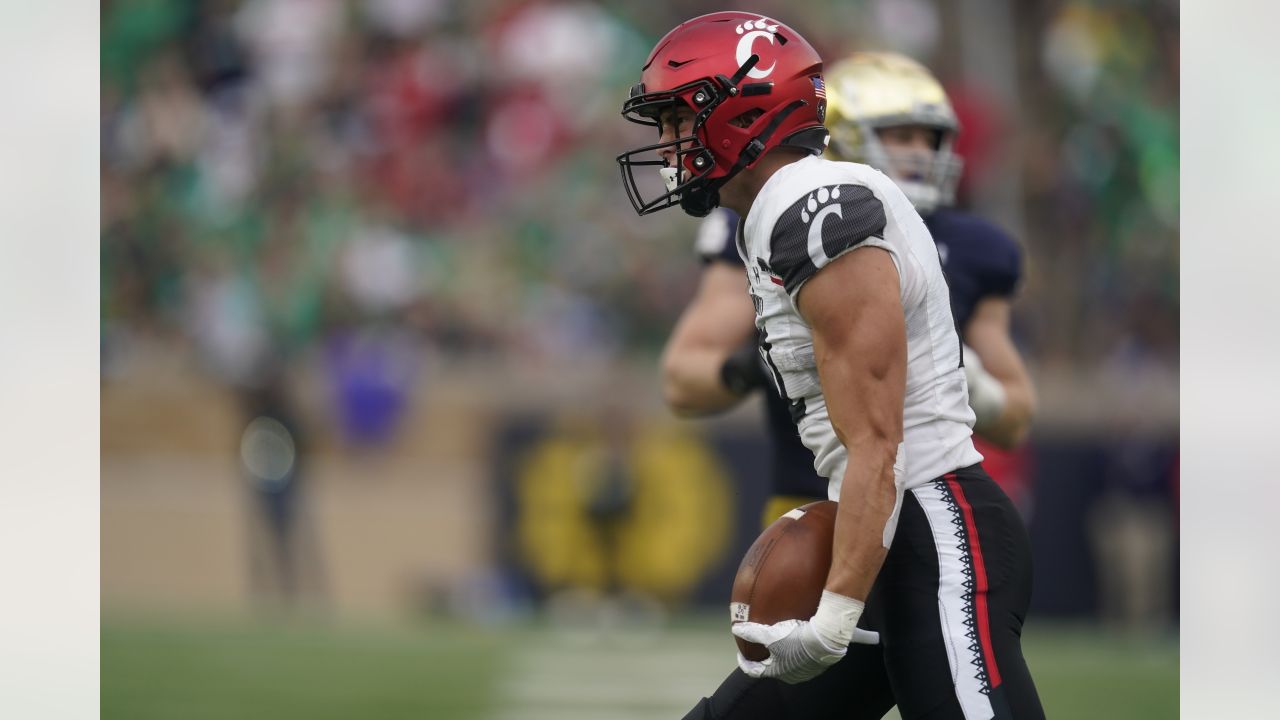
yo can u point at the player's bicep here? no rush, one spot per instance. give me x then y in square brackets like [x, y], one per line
[854, 311]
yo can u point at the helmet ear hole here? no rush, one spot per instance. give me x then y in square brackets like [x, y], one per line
[746, 119]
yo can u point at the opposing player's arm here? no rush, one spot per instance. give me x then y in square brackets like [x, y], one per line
[1004, 413]
[716, 323]
[854, 310]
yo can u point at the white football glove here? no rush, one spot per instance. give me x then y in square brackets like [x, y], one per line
[986, 395]
[801, 650]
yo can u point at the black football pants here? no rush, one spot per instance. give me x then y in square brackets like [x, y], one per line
[948, 603]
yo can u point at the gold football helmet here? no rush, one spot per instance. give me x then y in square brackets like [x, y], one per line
[870, 91]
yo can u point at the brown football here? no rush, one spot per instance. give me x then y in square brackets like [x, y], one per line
[783, 573]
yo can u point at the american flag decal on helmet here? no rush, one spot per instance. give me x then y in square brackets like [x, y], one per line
[819, 87]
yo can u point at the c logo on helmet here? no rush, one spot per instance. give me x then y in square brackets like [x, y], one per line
[750, 31]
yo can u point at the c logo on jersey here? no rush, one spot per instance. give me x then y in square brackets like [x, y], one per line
[750, 31]
[817, 200]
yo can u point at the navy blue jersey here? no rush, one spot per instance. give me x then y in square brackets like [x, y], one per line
[979, 260]
[717, 238]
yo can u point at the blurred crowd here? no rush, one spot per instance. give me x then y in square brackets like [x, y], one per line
[374, 182]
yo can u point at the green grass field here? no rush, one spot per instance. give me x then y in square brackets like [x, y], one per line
[185, 670]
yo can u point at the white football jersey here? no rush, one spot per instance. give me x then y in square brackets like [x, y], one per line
[807, 214]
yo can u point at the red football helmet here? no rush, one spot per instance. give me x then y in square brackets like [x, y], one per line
[723, 66]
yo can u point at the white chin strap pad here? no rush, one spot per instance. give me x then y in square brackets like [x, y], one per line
[670, 177]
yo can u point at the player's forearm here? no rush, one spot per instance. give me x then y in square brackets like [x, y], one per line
[860, 347]
[691, 383]
[867, 498]
[1000, 389]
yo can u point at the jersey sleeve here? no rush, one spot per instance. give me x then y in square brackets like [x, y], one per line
[1005, 270]
[980, 256]
[716, 241]
[997, 259]
[820, 227]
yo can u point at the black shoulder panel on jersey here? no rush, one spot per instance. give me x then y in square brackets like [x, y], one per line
[820, 226]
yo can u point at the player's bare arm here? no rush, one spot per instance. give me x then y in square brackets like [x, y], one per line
[854, 309]
[716, 323]
[987, 335]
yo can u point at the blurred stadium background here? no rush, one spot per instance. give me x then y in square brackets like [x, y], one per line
[381, 433]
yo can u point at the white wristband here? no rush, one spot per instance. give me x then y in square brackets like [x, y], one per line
[986, 394]
[836, 618]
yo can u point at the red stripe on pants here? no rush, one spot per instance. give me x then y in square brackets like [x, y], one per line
[980, 580]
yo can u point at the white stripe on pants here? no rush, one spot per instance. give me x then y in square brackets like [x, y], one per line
[955, 581]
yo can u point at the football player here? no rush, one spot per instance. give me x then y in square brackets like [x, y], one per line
[858, 338]
[888, 111]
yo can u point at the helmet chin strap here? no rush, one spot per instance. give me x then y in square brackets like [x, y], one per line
[699, 202]
[696, 201]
